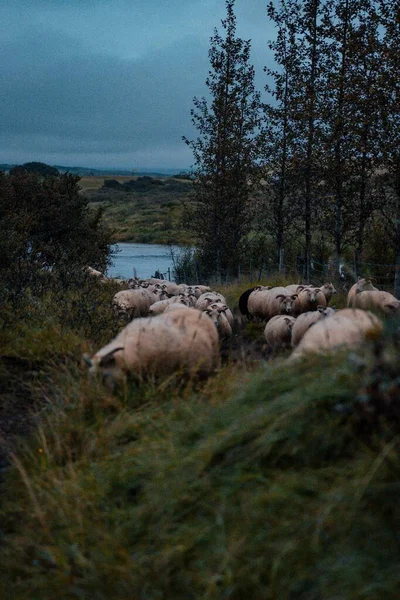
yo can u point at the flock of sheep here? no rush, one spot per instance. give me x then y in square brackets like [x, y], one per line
[179, 327]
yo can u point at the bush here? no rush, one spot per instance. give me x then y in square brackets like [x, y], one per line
[47, 228]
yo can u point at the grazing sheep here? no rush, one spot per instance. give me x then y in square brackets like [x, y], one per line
[278, 332]
[217, 313]
[135, 303]
[348, 327]
[309, 299]
[184, 339]
[306, 320]
[382, 302]
[361, 286]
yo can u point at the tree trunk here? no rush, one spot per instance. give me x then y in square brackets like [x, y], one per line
[397, 271]
[310, 145]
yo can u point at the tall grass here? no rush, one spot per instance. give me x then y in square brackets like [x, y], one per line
[275, 483]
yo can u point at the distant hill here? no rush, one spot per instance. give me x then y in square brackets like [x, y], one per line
[87, 171]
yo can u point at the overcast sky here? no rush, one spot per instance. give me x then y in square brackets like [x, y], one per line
[110, 83]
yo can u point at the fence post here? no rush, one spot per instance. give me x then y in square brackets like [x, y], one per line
[280, 266]
[356, 264]
[169, 274]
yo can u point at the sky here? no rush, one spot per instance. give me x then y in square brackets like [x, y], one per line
[110, 83]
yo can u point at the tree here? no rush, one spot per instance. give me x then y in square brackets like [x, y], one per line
[46, 227]
[36, 167]
[278, 128]
[226, 153]
[389, 92]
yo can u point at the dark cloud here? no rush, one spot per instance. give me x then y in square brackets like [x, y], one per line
[67, 95]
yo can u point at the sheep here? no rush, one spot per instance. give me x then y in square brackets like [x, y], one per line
[295, 288]
[171, 288]
[309, 299]
[97, 274]
[208, 298]
[328, 290]
[361, 286]
[201, 289]
[152, 347]
[256, 301]
[243, 302]
[382, 302]
[278, 332]
[217, 313]
[159, 307]
[135, 303]
[272, 302]
[348, 327]
[306, 320]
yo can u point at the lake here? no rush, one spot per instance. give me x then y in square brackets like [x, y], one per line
[142, 260]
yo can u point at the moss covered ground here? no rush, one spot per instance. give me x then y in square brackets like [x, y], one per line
[271, 480]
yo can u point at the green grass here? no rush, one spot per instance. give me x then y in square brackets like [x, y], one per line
[153, 216]
[272, 482]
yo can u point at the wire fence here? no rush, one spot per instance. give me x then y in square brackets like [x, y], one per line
[343, 276]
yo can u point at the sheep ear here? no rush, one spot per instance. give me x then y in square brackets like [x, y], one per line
[320, 308]
[109, 358]
[86, 358]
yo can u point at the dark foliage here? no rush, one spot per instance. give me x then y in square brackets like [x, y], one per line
[227, 151]
[46, 231]
[35, 167]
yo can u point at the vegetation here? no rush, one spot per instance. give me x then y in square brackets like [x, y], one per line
[46, 232]
[36, 167]
[226, 151]
[262, 482]
[330, 147]
[149, 212]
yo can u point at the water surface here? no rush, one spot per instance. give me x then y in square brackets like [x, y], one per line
[142, 260]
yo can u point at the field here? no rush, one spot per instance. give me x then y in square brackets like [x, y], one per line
[270, 480]
[150, 213]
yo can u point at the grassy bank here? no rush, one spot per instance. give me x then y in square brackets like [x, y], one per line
[150, 214]
[270, 480]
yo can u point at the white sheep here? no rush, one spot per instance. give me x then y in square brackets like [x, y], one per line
[217, 313]
[184, 339]
[265, 304]
[135, 303]
[361, 286]
[209, 298]
[308, 299]
[278, 332]
[348, 327]
[306, 320]
[381, 302]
